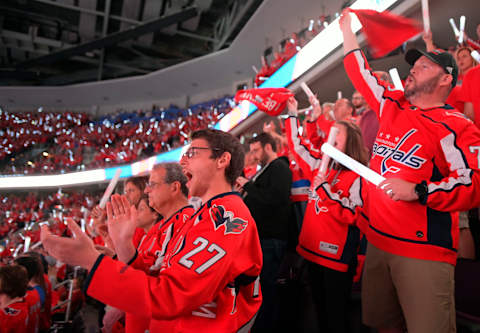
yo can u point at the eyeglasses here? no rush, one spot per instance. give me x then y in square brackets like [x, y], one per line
[152, 184]
[192, 151]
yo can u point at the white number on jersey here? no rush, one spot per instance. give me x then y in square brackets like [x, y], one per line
[202, 244]
[477, 149]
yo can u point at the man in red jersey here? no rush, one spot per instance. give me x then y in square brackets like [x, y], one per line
[209, 278]
[429, 155]
[167, 194]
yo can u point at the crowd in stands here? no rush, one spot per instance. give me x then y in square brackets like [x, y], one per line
[21, 215]
[74, 141]
[129, 136]
[288, 48]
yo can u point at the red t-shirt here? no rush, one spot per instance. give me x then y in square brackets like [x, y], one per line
[32, 298]
[470, 87]
[456, 98]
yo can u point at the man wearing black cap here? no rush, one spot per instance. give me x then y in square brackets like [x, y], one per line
[429, 154]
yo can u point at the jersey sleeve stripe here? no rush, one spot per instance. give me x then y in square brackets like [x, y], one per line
[350, 203]
[91, 273]
[302, 151]
[375, 88]
[457, 160]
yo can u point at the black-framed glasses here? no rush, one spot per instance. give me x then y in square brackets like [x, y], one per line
[192, 151]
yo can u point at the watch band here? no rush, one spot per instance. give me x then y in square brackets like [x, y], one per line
[421, 190]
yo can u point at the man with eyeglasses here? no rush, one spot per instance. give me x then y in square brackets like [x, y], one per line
[208, 280]
[267, 195]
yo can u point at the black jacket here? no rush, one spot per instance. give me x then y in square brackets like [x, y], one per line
[268, 198]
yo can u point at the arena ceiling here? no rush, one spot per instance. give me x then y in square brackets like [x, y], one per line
[48, 42]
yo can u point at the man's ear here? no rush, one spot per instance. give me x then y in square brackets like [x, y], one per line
[224, 160]
[446, 80]
[268, 148]
[175, 186]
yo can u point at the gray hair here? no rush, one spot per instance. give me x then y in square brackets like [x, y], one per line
[174, 173]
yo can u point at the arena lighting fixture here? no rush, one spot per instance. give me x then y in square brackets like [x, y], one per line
[73, 178]
[316, 50]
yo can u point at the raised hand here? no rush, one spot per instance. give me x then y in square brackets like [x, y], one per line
[292, 106]
[350, 42]
[76, 251]
[269, 127]
[121, 220]
[345, 20]
[317, 108]
[98, 213]
[319, 179]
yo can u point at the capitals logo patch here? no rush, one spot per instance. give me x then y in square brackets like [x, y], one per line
[232, 224]
[318, 208]
[395, 153]
[11, 311]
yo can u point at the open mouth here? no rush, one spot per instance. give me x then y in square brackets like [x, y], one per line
[188, 174]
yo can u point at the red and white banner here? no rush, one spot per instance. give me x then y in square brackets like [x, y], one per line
[386, 31]
[270, 100]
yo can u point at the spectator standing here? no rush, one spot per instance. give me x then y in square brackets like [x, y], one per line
[413, 219]
[267, 195]
[367, 120]
[329, 237]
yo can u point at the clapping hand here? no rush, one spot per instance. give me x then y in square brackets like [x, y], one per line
[76, 251]
[121, 220]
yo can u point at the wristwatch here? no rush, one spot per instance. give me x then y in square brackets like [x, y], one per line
[421, 190]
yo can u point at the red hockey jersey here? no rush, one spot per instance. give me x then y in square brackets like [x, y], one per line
[14, 318]
[209, 278]
[317, 131]
[153, 247]
[150, 254]
[329, 235]
[436, 145]
[307, 155]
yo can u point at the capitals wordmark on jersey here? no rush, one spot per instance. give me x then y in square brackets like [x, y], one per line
[392, 151]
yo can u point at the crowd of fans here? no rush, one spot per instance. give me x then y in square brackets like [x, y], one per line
[127, 137]
[288, 48]
[21, 215]
[73, 141]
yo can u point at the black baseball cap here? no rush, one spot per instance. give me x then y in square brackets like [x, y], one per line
[440, 57]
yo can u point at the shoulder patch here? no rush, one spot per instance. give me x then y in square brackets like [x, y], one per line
[11, 311]
[232, 224]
